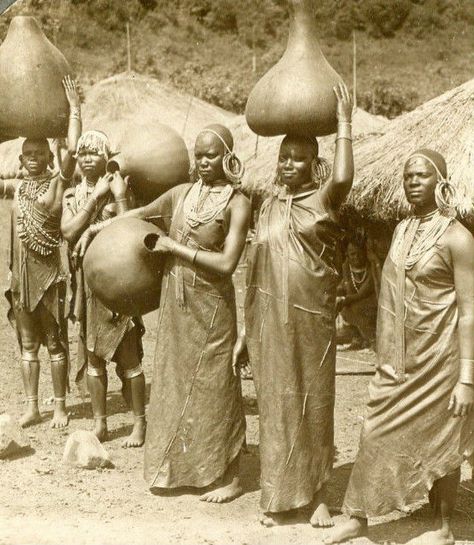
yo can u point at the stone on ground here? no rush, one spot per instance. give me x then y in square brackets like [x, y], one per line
[12, 437]
[83, 449]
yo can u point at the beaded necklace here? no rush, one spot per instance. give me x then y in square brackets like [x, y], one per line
[357, 283]
[415, 237]
[37, 229]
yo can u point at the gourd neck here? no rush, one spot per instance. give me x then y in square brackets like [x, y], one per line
[302, 23]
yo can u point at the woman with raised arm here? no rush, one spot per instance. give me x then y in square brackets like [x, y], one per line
[420, 420]
[38, 280]
[103, 336]
[196, 424]
[290, 313]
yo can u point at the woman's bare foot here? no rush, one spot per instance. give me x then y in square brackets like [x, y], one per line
[32, 416]
[321, 517]
[226, 488]
[137, 437]
[438, 537]
[274, 519]
[60, 416]
[354, 527]
[100, 428]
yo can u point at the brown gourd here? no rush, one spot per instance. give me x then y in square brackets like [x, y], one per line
[296, 95]
[154, 156]
[32, 98]
[121, 270]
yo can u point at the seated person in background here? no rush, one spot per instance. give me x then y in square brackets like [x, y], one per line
[357, 302]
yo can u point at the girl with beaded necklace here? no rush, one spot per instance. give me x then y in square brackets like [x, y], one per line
[38, 280]
[420, 421]
[196, 424]
[103, 335]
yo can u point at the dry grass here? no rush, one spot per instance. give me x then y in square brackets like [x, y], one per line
[143, 100]
[444, 124]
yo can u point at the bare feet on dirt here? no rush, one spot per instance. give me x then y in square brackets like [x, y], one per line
[437, 537]
[100, 428]
[274, 519]
[137, 437]
[60, 416]
[225, 492]
[321, 517]
[32, 416]
[347, 530]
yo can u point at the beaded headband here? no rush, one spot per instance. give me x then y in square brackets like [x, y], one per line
[95, 141]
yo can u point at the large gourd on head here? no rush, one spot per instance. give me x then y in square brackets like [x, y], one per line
[296, 95]
[121, 269]
[32, 98]
[154, 156]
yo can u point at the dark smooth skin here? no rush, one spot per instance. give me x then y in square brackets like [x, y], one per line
[419, 183]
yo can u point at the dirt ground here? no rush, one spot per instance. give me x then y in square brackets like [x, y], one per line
[45, 502]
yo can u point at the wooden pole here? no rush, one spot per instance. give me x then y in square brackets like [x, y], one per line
[129, 53]
[354, 68]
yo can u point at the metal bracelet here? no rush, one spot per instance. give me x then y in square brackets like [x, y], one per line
[466, 371]
[344, 130]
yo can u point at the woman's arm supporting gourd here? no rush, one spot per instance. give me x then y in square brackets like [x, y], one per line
[68, 163]
[337, 189]
[74, 224]
[225, 262]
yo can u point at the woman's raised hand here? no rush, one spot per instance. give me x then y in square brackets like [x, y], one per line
[72, 93]
[344, 102]
[118, 185]
[102, 187]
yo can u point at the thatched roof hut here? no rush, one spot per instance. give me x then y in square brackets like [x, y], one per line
[142, 99]
[444, 124]
[260, 154]
[9, 163]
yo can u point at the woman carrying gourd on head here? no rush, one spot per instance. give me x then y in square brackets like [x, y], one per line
[290, 312]
[104, 336]
[196, 426]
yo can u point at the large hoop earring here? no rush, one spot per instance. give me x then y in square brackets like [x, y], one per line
[233, 168]
[446, 196]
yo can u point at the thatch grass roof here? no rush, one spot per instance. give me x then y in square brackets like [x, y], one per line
[444, 124]
[142, 99]
[9, 163]
[260, 153]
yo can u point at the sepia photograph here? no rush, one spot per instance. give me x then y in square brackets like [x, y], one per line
[238, 272]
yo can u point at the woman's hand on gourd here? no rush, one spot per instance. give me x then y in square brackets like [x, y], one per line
[164, 245]
[72, 93]
[344, 102]
[462, 399]
[237, 352]
[119, 185]
[81, 246]
[102, 186]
